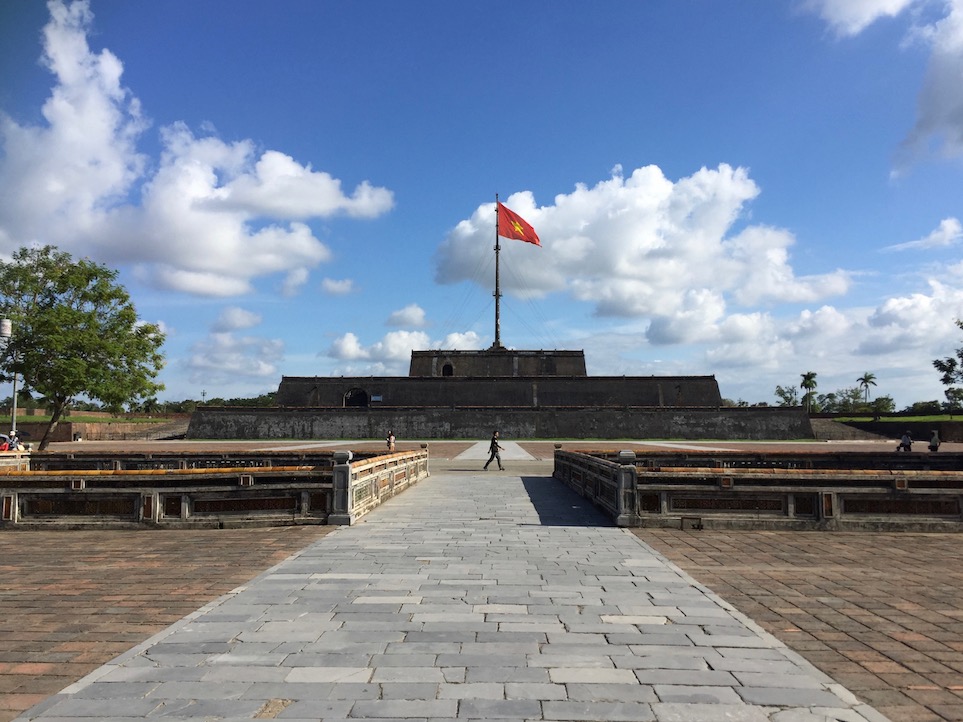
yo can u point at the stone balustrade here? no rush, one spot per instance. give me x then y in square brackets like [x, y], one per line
[361, 486]
[779, 491]
[202, 490]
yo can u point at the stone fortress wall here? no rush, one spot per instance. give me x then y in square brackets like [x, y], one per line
[523, 394]
[749, 423]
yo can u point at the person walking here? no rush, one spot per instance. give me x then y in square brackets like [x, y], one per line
[493, 450]
[905, 442]
[391, 441]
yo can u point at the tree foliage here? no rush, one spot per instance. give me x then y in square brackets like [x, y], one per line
[924, 408]
[808, 383]
[75, 333]
[951, 367]
[883, 405]
[787, 395]
[841, 401]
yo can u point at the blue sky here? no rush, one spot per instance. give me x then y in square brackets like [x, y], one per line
[752, 190]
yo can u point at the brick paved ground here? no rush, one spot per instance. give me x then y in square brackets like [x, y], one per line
[73, 600]
[880, 613]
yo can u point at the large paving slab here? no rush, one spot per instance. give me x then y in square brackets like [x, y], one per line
[473, 595]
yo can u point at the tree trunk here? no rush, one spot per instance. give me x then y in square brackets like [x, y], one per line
[57, 412]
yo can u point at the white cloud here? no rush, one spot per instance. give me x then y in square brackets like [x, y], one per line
[897, 340]
[693, 320]
[392, 354]
[411, 315]
[644, 246]
[749, 341]
[224, 358]
[949, 232]
[850, 17]
[235, 318]
[279, 187]
[824, 323]
[904, 323]
[468, 341]
[395, 347]
[939, 121]
[939, 116]
[335, 287]
[294, 281]
[768, 277]
[207, 218]
[347, 348]
[58, 179]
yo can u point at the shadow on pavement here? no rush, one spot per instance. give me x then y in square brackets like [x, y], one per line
[557, 505]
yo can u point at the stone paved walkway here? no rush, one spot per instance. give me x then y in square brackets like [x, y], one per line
[472, 596]
[880, 612]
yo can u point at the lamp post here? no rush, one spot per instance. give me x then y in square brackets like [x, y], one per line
[6, 333]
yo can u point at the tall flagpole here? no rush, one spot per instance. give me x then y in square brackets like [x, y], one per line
[498, 295]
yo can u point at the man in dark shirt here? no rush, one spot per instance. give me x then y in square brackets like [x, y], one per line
[493, 450]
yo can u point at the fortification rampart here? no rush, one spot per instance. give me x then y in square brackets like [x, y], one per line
[519, 392]
[568, 422]
[497, 362]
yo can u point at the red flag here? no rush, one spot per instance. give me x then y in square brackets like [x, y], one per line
[512, 225]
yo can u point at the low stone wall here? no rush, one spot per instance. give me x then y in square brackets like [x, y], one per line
[759, 492]
[90, 431]
[171, 490]
[921, 431]
[359, 487]
[734, 423]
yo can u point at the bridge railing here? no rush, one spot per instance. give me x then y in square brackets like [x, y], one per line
[638, 492]
[362, 485]
[198, 491]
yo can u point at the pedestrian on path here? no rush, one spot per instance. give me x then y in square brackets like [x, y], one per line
[391, 441]
[493, 450]
[905, 442]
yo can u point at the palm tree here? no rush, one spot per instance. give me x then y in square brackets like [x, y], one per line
[809, 384]
[865, 381]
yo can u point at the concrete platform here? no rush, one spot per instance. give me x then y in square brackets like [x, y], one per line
[477, 596]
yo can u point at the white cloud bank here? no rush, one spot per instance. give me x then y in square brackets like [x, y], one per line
[948, 233]
[646, 247]
[939, 116]
[411, 315]
[393, 352]
[938, 128]
[850, 17]
[337, 287]
[211, 217]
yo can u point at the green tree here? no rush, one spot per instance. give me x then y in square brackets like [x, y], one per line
[808, 383]
[924, 408]
[951, 368]
[842, 401]
[826, 403]
[865, 381]
[954, 400]
[787, 395]
[75, 333]
[883, 405]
